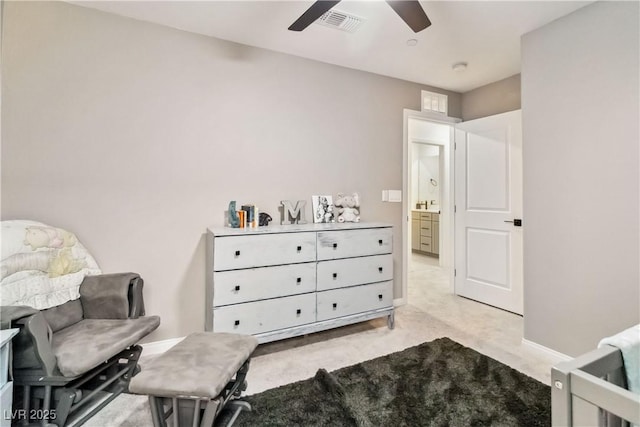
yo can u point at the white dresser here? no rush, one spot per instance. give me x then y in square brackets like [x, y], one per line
[277, 282]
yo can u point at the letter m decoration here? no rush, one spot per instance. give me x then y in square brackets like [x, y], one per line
[293, 215]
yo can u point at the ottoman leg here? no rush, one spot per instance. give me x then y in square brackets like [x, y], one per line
[210, 412]
[157, 411]
[238, 406]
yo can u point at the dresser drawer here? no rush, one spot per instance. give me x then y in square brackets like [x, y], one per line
[234, 252]
[425, 225]
[354, 271]
[263, 316]
[237, 286]
[356, 299]
[425, 215]
[425, 232]
[352, 243]
[425, 245]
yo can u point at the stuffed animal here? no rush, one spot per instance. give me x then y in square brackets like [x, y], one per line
[346, 207]
[48, 237]
[64, 262]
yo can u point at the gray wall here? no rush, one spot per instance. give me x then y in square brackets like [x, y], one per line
[580, 107]
[137, 136]
[494, 98]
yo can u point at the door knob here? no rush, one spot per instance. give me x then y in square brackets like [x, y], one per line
[516, 222]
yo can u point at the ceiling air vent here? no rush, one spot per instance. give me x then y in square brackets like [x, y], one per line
[340, 21]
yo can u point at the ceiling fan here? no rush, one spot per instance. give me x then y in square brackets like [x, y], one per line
[409, 10]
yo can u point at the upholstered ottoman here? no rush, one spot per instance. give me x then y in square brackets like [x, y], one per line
[194, 380]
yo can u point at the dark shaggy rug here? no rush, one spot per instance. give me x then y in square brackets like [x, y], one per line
[440, 383]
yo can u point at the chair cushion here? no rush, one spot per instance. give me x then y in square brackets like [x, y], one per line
[63, 316]
[86, 344]
[201, 365]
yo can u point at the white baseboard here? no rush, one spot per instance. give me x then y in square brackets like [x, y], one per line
[159, 347]
[399, 301]
[556, 356]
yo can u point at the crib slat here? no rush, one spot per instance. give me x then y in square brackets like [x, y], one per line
[607, 396]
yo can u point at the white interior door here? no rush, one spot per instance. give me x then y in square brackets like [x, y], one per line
[488, 203]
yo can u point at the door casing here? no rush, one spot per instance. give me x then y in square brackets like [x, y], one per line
[447, 215]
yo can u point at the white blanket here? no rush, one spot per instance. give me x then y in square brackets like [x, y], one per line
[41, 266]
[628, 341]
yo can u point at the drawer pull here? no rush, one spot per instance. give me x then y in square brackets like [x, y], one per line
[236, 323]
[299, 280]
[380, 242]
[335, 246]
[237, 253]
[335, 275]
[335, 305]
[380, 297]
[299, 248]
[298, 311]
[237, 288]
[380, 269]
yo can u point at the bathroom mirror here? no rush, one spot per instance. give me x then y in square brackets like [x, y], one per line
[426, 165]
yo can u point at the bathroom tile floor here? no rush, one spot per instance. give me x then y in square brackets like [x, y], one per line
[432, 312]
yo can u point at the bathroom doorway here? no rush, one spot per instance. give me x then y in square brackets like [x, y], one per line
[428, 206]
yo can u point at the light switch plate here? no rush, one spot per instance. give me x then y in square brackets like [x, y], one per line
[394, 196]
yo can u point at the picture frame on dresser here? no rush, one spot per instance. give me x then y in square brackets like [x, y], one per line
[294, 280]
[323, 209]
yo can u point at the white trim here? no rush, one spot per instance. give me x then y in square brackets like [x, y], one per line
[400, 301]
[159, 347]
[555, 355]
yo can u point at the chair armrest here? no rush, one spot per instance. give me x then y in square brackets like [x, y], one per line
[32, 351]
[112, 296]
[136, 301]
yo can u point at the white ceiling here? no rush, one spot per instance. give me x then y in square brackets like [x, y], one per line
[485, 34]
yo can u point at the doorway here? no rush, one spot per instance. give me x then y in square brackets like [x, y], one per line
[487, 233]
[428, 206]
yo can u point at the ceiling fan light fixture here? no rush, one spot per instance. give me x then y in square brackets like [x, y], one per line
[459, 67]
[410, 11]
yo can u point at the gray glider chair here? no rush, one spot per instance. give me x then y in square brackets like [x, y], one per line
[72, 359]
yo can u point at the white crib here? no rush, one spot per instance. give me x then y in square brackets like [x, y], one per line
[598, 378]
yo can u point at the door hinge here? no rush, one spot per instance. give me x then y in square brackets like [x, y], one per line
[455, 145]
[455, 208]
[455, 272]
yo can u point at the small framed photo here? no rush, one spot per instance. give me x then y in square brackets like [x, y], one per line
[323, 210]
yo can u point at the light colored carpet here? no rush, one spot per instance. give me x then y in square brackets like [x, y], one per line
[126, 410]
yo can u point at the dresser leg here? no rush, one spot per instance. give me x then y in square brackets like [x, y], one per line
[391, 320]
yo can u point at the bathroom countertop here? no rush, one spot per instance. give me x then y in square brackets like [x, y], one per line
[436, 211]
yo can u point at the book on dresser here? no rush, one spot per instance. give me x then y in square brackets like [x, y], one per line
[278, 282]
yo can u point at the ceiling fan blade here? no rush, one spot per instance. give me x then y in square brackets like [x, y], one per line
[412, 13]
[316, 10]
